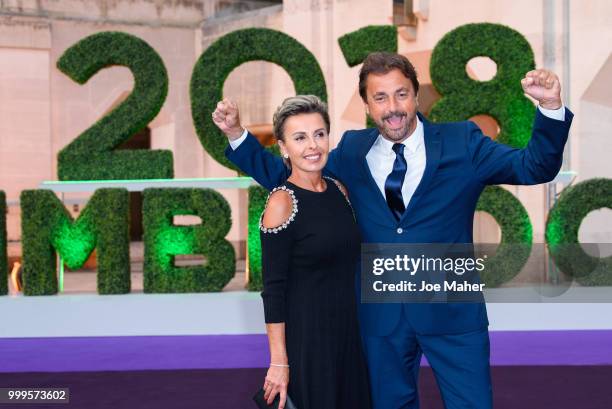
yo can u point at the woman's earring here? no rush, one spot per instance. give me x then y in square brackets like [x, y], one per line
[285, 156]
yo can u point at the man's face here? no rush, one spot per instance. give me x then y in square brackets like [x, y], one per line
[391, 103]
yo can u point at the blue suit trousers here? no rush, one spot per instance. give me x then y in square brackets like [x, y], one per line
[460, 363]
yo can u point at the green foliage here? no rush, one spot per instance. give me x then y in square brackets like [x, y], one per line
[357, 45]
[257, 202]
[163, 241]
[3, 255]
[47, 227]
[232, 50]
[563, 224]
[91, 156]
[517, 235]
[501, 97]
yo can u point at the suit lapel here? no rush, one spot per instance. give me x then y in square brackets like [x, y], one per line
[433, 149]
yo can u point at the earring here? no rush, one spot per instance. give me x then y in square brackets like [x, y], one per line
[285, 156]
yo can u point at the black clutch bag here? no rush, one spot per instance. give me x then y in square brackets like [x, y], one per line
[263, 404]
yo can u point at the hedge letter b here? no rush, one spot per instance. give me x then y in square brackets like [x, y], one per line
[164, 241]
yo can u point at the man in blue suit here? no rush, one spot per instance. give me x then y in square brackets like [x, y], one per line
[412, 181]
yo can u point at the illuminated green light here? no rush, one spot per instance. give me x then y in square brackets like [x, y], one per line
[61, 275]
[172, 241]
[48, 228]
[74, 241]
[554, 231]
[257, 201]
[163, 240]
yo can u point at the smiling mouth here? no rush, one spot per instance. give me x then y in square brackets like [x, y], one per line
[313, 158]
[395, 121]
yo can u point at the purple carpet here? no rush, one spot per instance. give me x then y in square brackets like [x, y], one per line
[514, 387]
[512, 348]
[541, 369]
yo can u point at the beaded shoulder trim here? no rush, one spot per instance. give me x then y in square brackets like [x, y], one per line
[286, 222]
[340, 189]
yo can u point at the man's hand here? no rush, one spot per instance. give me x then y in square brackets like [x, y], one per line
[227, 119]
[543, 86]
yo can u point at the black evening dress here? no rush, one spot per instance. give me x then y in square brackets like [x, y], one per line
[308, 266]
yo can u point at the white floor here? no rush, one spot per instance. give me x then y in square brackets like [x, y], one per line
[230, 312]
[80, 311]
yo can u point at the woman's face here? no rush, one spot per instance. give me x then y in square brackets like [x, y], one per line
[306, 142]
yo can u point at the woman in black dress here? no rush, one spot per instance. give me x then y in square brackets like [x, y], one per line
[310, 246]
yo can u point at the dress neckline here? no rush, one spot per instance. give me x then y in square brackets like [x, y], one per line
[308, 190]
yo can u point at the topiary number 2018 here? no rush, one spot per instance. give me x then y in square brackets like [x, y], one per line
[502, 98]
[92, 156]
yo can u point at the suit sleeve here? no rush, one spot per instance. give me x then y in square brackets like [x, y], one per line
[539, 162]
[333, 168]
[263, 166]
[268, 169]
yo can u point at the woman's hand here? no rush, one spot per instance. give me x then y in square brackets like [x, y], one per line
[227, 119]
[276, 382]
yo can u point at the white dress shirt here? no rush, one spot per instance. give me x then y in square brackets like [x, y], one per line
[381, 156]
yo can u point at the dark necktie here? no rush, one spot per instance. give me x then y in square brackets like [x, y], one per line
[395, 181]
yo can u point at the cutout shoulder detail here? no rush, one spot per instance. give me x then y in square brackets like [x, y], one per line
[283, 225]
[341, 188]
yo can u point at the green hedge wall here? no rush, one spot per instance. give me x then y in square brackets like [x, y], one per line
[163, 241]
[357, 45]
[257, 203]
[563, 224]
[232, 50]
[3, 255]
[47, 227]
[517, 235]
[501, 97]
[91, 156]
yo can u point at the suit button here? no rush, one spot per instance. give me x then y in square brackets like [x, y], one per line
[400, 230]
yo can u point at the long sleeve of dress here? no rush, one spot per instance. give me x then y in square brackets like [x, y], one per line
[276, 247]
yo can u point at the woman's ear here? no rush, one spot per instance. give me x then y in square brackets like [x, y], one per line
[283, 151]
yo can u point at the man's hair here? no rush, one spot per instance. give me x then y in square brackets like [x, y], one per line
[382, 63]
[300, 104]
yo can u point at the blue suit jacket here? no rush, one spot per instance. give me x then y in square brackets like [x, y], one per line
[461, 161]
